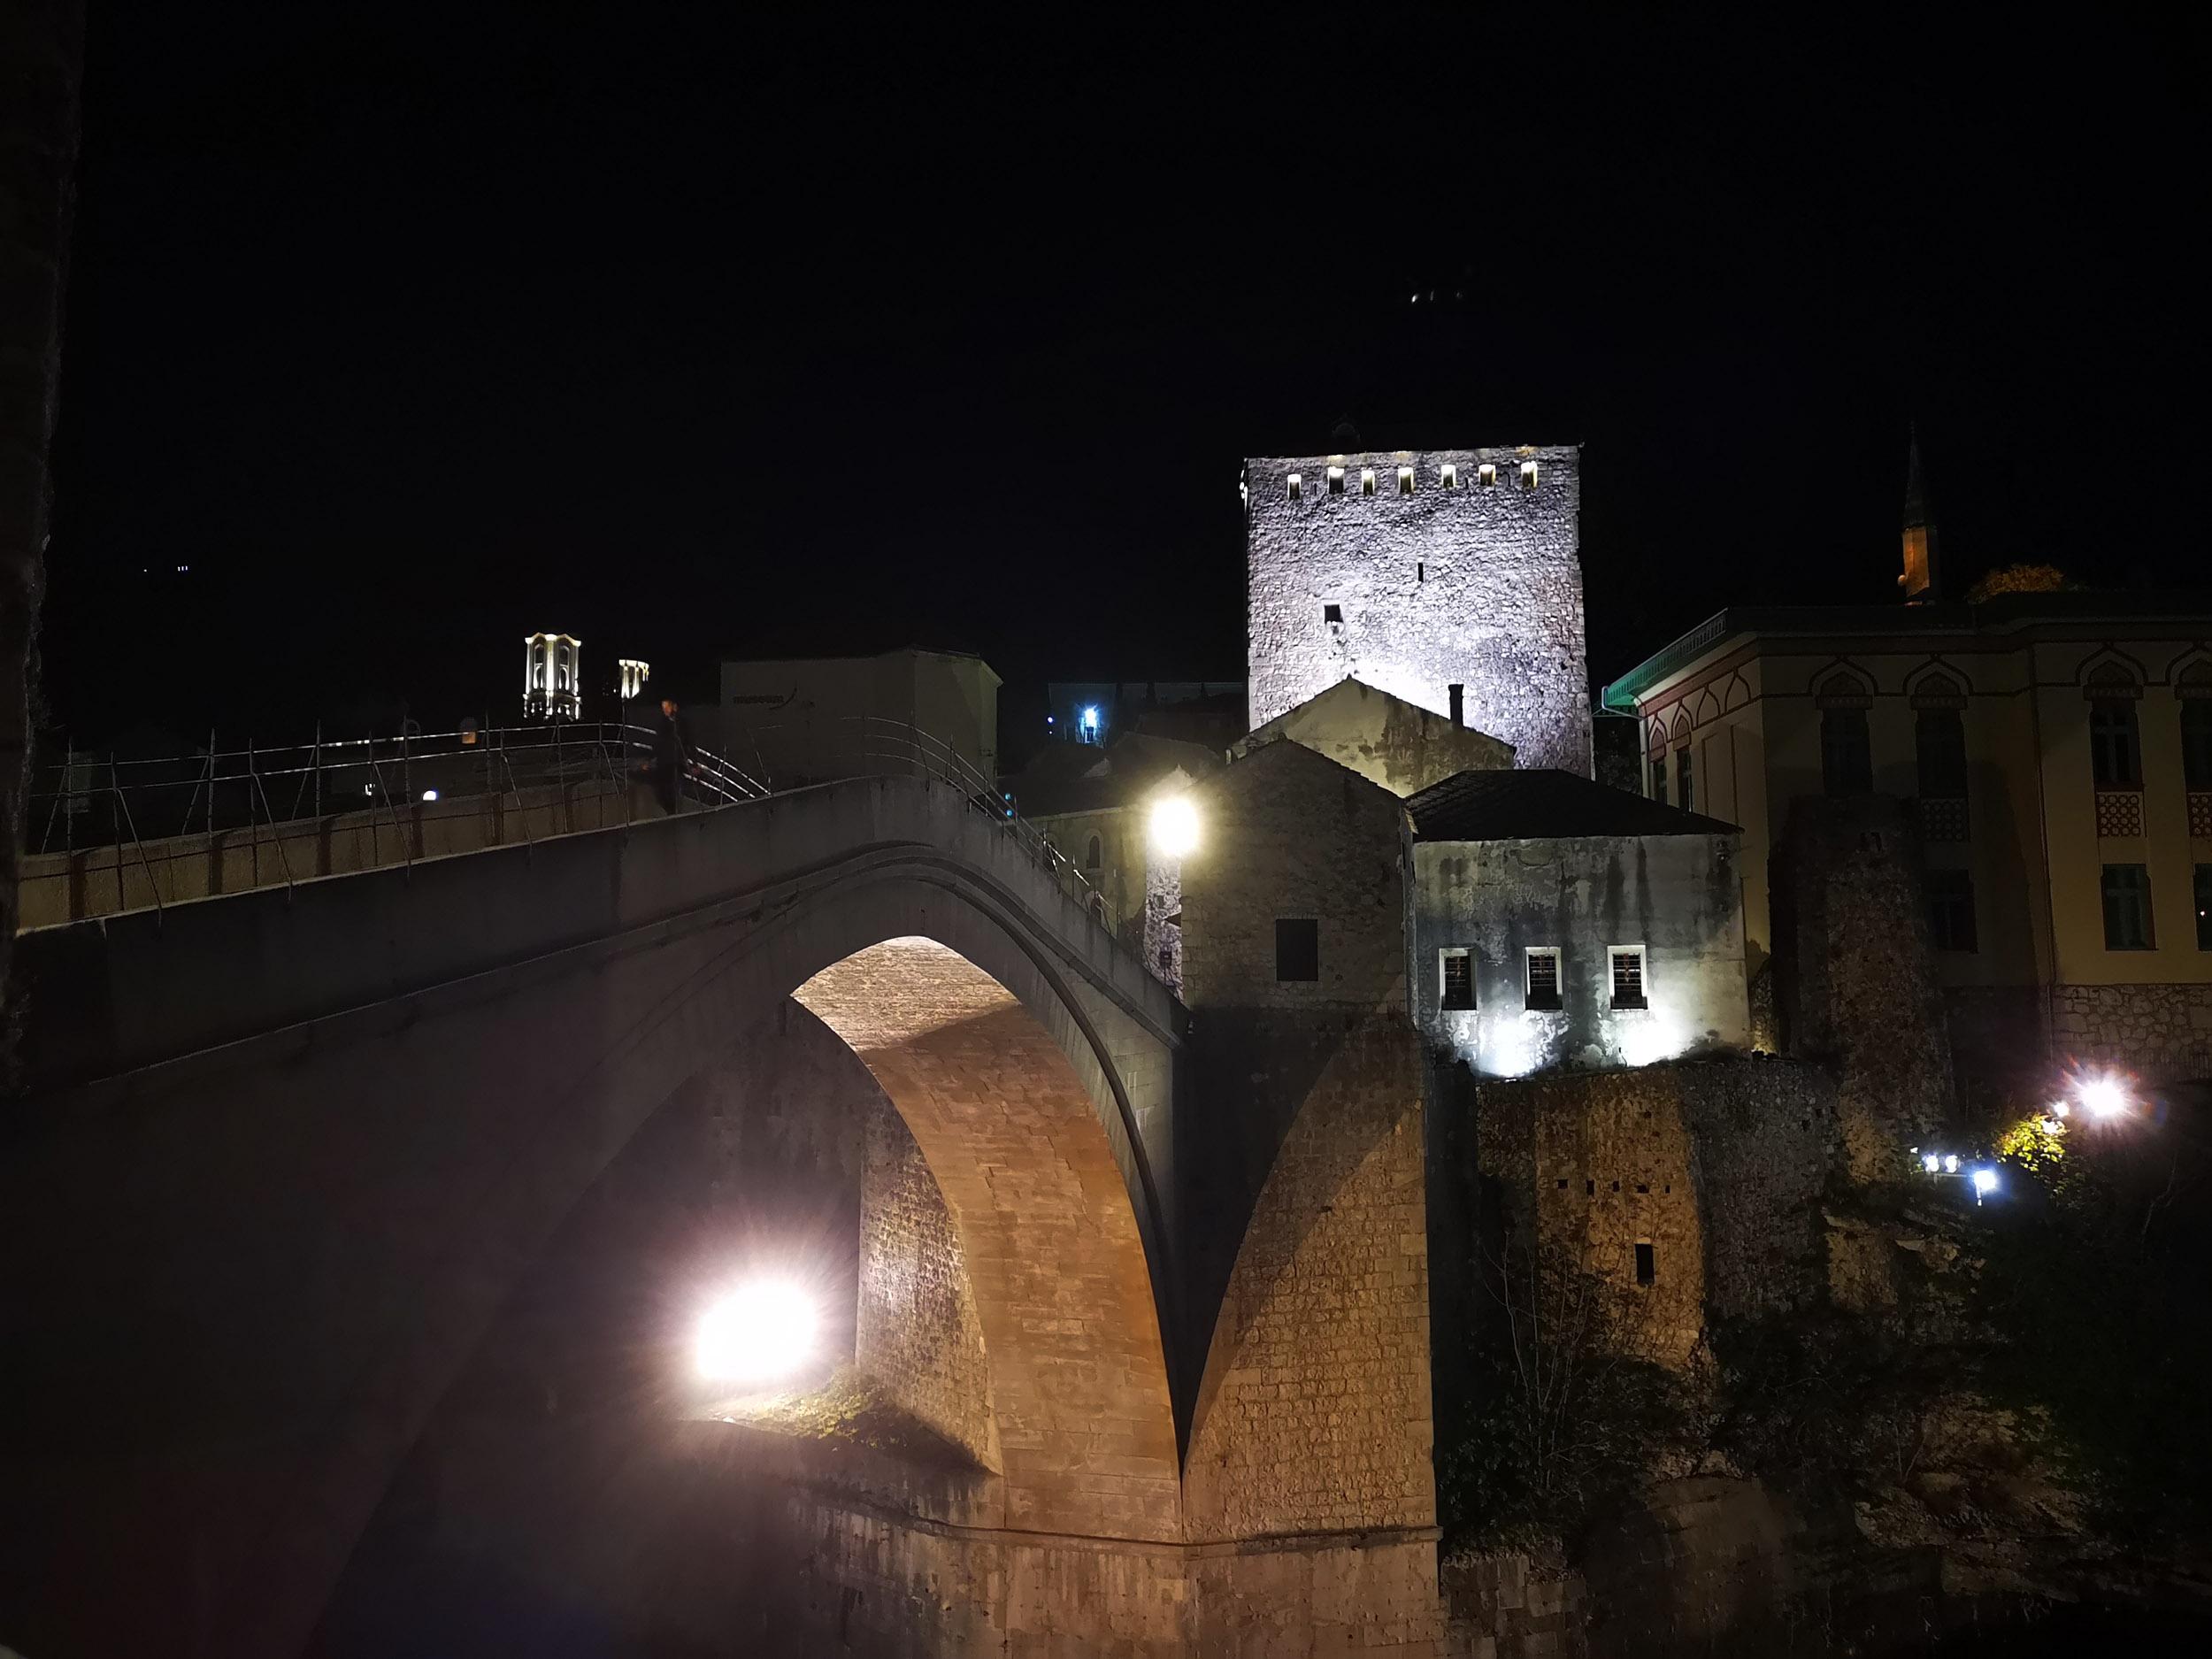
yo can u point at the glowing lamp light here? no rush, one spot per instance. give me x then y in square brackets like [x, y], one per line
[1985, 1184]
[1174, 825]
[1930, 1162]
[2103, 1097]
[1088, 718]
[2061, 1109]
[430, 794]
[1950, 1164]
[763, 1333]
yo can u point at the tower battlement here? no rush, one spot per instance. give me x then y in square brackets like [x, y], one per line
[1417, 571]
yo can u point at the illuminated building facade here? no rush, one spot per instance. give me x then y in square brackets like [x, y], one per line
[2053, 753]
[552, 668]
[1561, 923]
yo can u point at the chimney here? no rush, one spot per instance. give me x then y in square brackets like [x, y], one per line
[1459, 704]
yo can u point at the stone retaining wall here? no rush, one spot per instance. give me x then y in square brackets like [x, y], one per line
[2162, 1032]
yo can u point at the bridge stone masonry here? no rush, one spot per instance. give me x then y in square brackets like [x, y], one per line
[293, 1165]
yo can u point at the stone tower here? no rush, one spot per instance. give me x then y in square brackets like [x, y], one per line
[1425, 573]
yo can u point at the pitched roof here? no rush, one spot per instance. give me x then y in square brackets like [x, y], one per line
[1066, 777]
[1541, 804]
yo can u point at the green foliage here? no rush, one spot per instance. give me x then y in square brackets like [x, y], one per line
[2020, 579]
[2111, 1335]
[1568, 1411]
[1824, 1397]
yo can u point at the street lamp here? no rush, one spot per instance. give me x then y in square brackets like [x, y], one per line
[2101, 1096]
[1174, 826]
[761, 1333]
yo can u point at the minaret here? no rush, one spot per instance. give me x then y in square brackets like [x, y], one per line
[1922, 580]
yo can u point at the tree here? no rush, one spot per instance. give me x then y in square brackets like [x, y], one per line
[41, 51]
[1569, 1409]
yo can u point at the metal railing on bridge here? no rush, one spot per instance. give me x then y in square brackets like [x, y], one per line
[864, 745]
[249, 814]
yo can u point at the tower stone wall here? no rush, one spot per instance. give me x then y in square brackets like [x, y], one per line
[1436, 578]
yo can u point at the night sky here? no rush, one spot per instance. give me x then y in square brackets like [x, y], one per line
[411, 333]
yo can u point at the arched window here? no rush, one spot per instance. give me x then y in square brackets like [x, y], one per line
[1094, 853]
[1847, 754]
[1685, 779]
[2194, 687]
[2116, 746]
[1940, 738]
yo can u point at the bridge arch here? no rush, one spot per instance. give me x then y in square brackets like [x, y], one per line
[348, 1193]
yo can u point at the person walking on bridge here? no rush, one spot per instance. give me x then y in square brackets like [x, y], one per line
[671, 757]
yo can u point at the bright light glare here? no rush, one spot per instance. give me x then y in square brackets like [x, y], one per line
[1930, 1162]
[2102, 1096]
[1985, 1181]
[1174, 825]
[1090, 717]
[2060, 1109]
[430, 794]
[1950, 1164]
[762, 1332]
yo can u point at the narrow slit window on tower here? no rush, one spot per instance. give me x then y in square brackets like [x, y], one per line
[1367, 480]
[1297, 948]
[1528, 475]
[1333, 615]
[1336, 480]
[1297, 486]
[1456, 969]
[1646, 1265]
[1488, 476]
[1405, 480]
[1420, 570]
[1543, 976]
[1447, 475]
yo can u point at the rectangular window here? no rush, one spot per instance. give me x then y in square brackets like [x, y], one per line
[1543, 978]
[1447, 475]
[1333, 615]
[2127, 908]
[1685, 784]
[1457, 969]
[1336, 480]
[2203, 896]
[1646, 1265]
[1488, 476]
[1659, 779]
[2115, 758]
[1951, 909]
[1367, 480]
[1628, 977]
[1297, 949]
[1528, 475]
[1405, 480]
[1297, 484]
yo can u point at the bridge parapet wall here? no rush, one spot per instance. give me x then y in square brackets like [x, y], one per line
[136, 989]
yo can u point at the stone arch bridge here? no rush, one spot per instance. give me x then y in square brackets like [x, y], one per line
[285, 1156]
